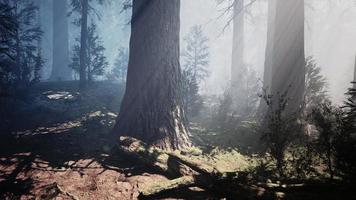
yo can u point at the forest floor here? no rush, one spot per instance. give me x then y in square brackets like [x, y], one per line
[56, 150]
[61, 147]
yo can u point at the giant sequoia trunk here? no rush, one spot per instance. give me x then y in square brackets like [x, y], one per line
[83, 44]
[151, 109]
[285, 59]
[238, 69]
[60, 68]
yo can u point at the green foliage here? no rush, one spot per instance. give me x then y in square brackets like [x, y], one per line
[192, 101]
[336, 142]
[315, 92]
[345, 143]
[328, 122]
[20, 61]
[280, 130]
[96, 60]
[119, 71]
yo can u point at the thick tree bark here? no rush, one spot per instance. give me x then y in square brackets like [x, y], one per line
[285, 57]
[83, 45]
[238, 70]
[151, 109]
[60, 68]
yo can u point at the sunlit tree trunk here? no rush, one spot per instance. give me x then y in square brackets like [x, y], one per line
[60, 68]
[152, 109]
[83, 45]
[267, 76]
[285, 57]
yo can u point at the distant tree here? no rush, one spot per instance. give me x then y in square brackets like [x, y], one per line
[238, 67]
[245, 94]
[285, 58]
[20, 60]
[195, 60]
[83, 8]
[119, 71]
[60, 62]
[96, 60]
[195, 56]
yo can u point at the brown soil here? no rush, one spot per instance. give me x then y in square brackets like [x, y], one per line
[77, 156]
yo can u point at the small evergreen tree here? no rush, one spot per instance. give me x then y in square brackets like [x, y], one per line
[96, 60]
[195, 59]
[195, 56]
[83, 8]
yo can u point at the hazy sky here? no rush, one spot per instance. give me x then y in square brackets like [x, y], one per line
[330, 30]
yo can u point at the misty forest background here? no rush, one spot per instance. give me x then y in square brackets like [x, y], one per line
[177, 99]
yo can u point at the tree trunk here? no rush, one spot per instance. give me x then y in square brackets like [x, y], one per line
[267, 77]
[152, 109]
[60, 68]
[238, 69]
[83, 45]
[285, 59]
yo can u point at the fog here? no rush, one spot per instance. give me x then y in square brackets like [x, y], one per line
[330, 38]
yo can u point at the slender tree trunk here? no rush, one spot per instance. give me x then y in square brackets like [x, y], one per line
[237, 64]
[60, 68]
[83, 45]
[285, 57]
[152, 109]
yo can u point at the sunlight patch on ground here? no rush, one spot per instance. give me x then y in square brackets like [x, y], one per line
[60, 95]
